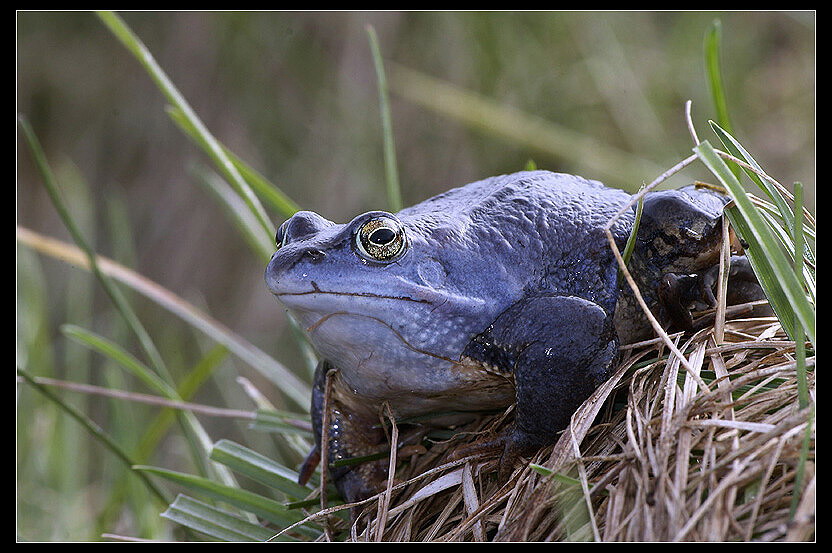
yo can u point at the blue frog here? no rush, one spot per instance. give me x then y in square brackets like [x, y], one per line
[504, 291]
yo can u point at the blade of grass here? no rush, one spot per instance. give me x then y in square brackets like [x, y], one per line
[394, 197]
[713, 39]
[631, 240]
[96, 431]
[781, 284]
[147, 399]
[259, 505]
[800, 344]
[259, 468]
[265, 189]
[562, 478]
[214, 522]
[286, 381]
[118, 300]
[197, 437]
[800, 355]
[121, 356]
[783, 210]
[136, 47]
[281, 422]
[157, 429]
[521, 129]
[733, 147]
[261, 244]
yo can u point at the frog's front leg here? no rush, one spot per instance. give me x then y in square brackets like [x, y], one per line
[353, 431]
[559, 349]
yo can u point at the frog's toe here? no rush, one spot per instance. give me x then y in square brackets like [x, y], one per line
[309, 464]
[509, 448]
[743, 286]
[479, 448]
[674, 298]
[363, 481]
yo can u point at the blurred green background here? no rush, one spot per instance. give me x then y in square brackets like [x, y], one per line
[294, 94]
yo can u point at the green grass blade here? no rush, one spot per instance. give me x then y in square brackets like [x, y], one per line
[260, 184]
[733, 147]
[245, 500]
[122, 357]
[713, 39]
[800, 345]
[391, 172]
[562, 478]
[158, 428]
[267, 420]
[294, 388]
[631, 240]
[197, 436]
[96, 431]
[186, 390]
[268, 191]
[258, 467]
[216, 152]
[214, 522]
[118, 300]
[262, 245]
[782, 286]
[782, 208]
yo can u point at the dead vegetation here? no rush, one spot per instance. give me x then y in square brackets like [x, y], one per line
[661, 452]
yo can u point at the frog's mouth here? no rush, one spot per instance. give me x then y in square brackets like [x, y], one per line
[316, 290]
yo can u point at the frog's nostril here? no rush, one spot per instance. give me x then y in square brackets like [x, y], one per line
[315, 256]
[302, 225]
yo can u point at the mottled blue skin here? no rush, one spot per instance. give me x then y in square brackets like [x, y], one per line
[507, 291]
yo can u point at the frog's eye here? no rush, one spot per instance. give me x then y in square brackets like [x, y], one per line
[381, 239]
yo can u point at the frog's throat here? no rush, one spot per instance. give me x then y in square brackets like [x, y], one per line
[312, 328]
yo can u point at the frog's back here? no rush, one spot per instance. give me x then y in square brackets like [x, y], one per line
[562, 195]
[544, 229]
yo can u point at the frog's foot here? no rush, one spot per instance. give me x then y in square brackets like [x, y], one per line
[676, 295]
[510, 447]
[743, 286]
[353, 438]
[354, 482]
[309, 464]
[681, 294]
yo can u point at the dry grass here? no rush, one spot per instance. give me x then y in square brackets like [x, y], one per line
[707, 455]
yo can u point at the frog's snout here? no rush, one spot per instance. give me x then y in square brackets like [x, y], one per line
[303, 226]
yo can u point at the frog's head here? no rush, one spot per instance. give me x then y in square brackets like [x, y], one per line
[383, 293]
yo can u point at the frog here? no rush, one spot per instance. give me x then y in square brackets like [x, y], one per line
[501, 293]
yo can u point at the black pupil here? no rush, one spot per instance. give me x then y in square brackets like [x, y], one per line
[382, 236]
